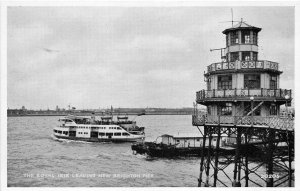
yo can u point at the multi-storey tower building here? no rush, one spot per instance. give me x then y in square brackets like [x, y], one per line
[243, 100]
[242, 84]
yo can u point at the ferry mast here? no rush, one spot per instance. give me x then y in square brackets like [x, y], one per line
[243, 100]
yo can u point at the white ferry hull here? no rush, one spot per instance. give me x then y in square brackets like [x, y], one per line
[116, 140]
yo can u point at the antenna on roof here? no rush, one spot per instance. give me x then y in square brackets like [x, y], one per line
[231, 19]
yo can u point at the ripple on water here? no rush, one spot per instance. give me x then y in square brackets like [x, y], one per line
[33, 149]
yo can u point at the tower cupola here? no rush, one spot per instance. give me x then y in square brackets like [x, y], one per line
[241, 42]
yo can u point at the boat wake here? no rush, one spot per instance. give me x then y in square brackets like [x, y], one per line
[68, 140]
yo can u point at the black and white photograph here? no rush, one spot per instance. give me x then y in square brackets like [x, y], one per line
[148, 95]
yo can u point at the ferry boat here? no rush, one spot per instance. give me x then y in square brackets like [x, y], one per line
[104, 130]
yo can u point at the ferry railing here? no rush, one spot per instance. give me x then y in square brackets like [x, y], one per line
[263, 92]
[236, 65]
[276, 122]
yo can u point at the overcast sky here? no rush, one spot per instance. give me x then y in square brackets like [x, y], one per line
[93, 57]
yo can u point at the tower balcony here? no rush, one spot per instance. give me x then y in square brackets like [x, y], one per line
[260, 65]
[276, 122]
[262, 94]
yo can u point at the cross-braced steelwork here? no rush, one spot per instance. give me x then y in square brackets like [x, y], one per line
[266, 160]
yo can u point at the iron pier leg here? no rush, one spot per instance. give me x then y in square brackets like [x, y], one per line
[246, 160]
[208, 158]
[269, 179]
[237, 183]
[202, 157]
[217, 157]
[290, 145]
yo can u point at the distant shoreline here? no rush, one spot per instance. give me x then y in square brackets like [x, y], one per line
[115, 112]
[38, 115]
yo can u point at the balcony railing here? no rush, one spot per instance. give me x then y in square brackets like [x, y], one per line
[259, 64]
[275, 122]
[235, 93]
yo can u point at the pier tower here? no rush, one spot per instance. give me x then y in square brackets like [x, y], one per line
[243, 100]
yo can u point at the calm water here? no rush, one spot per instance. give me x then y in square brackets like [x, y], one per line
[35, 158]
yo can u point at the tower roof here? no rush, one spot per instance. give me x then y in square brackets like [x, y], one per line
[241, 25]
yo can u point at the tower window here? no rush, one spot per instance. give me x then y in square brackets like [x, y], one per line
[246, 37]
[246, 56]
[208, 83]
[255, 38]
[224, 82]
[252, 81]
[254, 57]
[225, 109]
[209, 110]
[234, 56]
[227, 40]
[273, 82]
[273, 109]
[234, 38]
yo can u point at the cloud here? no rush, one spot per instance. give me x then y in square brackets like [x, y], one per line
[127, 56]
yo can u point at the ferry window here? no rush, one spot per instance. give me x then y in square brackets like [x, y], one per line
[102, 134]
[125, 134]
[254, 57]
[119, 128]
[225, 109]
[109, 134]
[246, 56]
[198, 139]
[234, 37]
[117, 134]
[59, 132]
[252, 81]
[224, 82]
[177, 141]
[234, 56]
[247, 108]
[273, 109]
[273, 82]
[246, 37]
[255, 38]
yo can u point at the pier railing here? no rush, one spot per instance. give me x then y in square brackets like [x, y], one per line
[276, 122]
[240, 93]
[259, 64]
